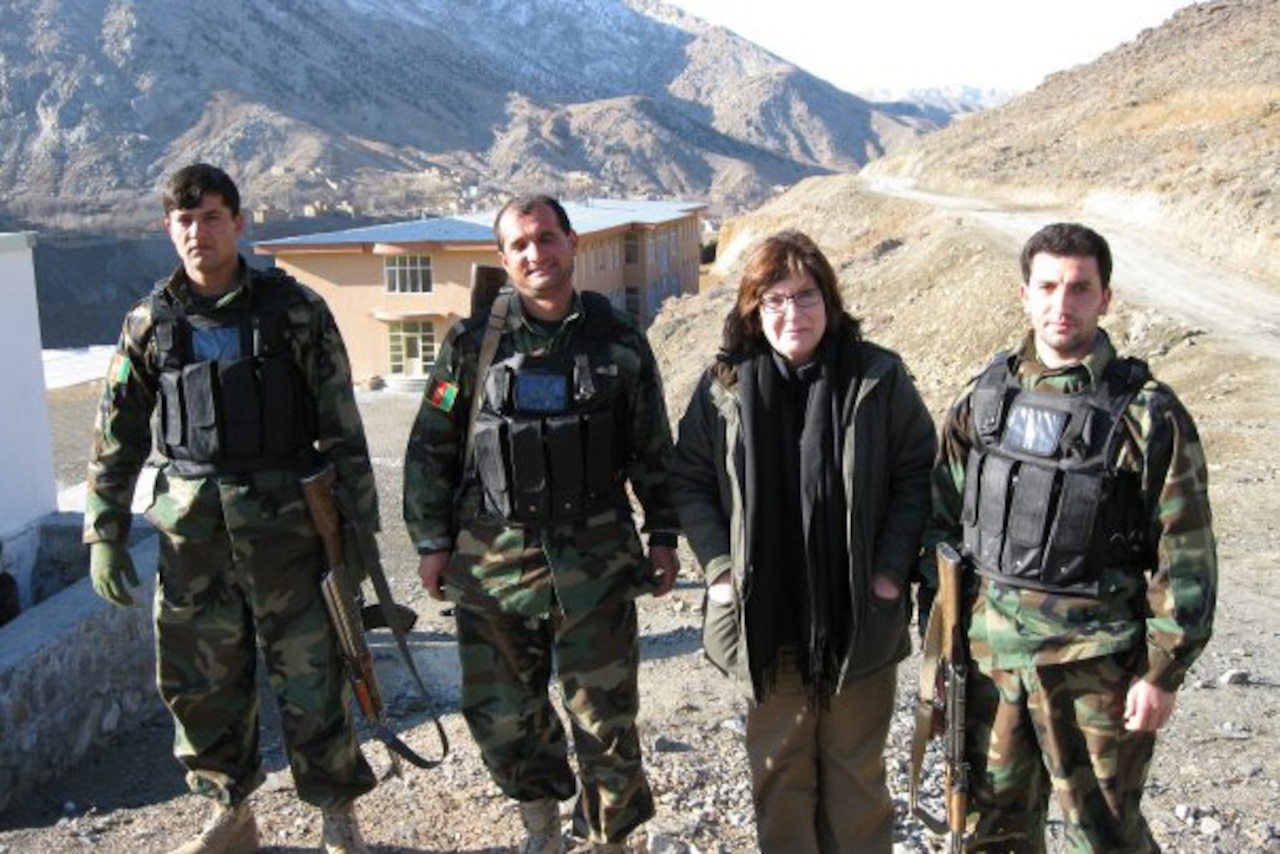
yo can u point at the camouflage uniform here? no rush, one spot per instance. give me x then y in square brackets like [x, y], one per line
[527, 596]
[239, 557]
[1045, 705]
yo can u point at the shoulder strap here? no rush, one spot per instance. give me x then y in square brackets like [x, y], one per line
[599, 313]
[1124, 379]
[488, 347]
[990, 395]
[1130, 372]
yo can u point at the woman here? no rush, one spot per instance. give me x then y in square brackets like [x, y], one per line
[802, 478]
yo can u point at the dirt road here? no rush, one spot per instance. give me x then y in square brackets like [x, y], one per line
[1149, 269]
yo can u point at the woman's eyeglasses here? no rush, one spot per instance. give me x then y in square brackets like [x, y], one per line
[775, 303]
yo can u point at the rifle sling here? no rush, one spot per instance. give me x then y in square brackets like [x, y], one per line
[384, 734]
[931, 661]
[387, 604]
[488, 347]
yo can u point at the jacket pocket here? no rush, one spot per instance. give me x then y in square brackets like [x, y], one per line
[721, 633]
[885, 637]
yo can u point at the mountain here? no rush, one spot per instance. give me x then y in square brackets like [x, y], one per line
[396, 106]
[1179, 128]
[952, 100]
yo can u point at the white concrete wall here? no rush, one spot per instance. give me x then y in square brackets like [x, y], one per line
[27, 487]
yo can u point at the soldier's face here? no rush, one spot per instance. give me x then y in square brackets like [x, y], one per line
[205, 237]
[537, 254]
[1064, 297]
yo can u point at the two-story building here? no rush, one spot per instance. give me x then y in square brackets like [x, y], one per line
[396, 289]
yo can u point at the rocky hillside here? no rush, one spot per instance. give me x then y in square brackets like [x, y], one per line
[1178, 129]
[398, 105]
[931, 285]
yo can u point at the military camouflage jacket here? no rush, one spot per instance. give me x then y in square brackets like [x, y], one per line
[522, 570]
[196, 507]
[1169, 607]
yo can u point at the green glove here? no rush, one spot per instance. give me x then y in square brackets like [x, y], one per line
[110, 566]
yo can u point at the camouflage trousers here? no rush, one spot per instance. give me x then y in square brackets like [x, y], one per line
[507, 662]
[214, 595]
[1056, 728]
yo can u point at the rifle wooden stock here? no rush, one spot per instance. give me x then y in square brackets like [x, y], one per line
[344, 615]
[955, 656]
[347, 618]
[940, 709]
[346, 622]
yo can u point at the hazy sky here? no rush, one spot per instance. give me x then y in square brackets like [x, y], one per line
[1006, 44]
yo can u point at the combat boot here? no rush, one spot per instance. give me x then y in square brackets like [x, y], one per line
[229, 830]
[541, 821]
[341, 833]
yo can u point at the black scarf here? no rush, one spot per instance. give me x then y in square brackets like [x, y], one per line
[796, 518]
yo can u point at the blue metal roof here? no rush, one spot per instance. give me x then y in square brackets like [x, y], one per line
[440, 230]
[588, 217]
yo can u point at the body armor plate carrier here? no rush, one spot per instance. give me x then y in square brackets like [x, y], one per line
[548, 445]
[1044, 505]
[232, 399]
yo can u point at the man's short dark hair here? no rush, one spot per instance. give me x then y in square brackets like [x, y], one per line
[187, 187]
[1068, 240]
[525, 205]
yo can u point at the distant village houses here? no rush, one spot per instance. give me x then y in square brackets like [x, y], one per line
[395, 289]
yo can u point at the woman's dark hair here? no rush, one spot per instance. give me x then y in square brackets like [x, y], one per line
[787, 254]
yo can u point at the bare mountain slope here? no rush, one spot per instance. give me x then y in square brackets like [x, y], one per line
[397, 105]
[1180, 127]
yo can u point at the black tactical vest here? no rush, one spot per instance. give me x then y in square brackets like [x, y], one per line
[548, 442]
[1044, 505]
[232, 399]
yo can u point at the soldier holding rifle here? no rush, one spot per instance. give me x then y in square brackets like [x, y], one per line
[245, 380]
[1075, 486]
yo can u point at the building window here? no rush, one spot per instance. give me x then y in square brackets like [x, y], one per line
[407, 274]
[413, 347]
[631, 249]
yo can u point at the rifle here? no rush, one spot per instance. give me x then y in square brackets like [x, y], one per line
[944, 671]
[345, 617]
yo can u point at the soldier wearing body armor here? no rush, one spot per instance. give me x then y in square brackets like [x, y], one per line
[1075, 486]
[240, 382]
[537, 415]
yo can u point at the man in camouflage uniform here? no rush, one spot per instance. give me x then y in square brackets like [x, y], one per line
[532, 534]
[246, 381]
[1077, 487]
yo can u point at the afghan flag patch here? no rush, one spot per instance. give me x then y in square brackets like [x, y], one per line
[442, 395]
[119, 370]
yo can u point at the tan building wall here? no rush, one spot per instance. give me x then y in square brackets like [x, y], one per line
[352, 283]
[351, 280]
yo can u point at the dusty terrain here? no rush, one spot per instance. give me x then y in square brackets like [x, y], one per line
[937, 284]
[1179, 128]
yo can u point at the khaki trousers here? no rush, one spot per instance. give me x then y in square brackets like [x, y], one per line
[818, 779]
